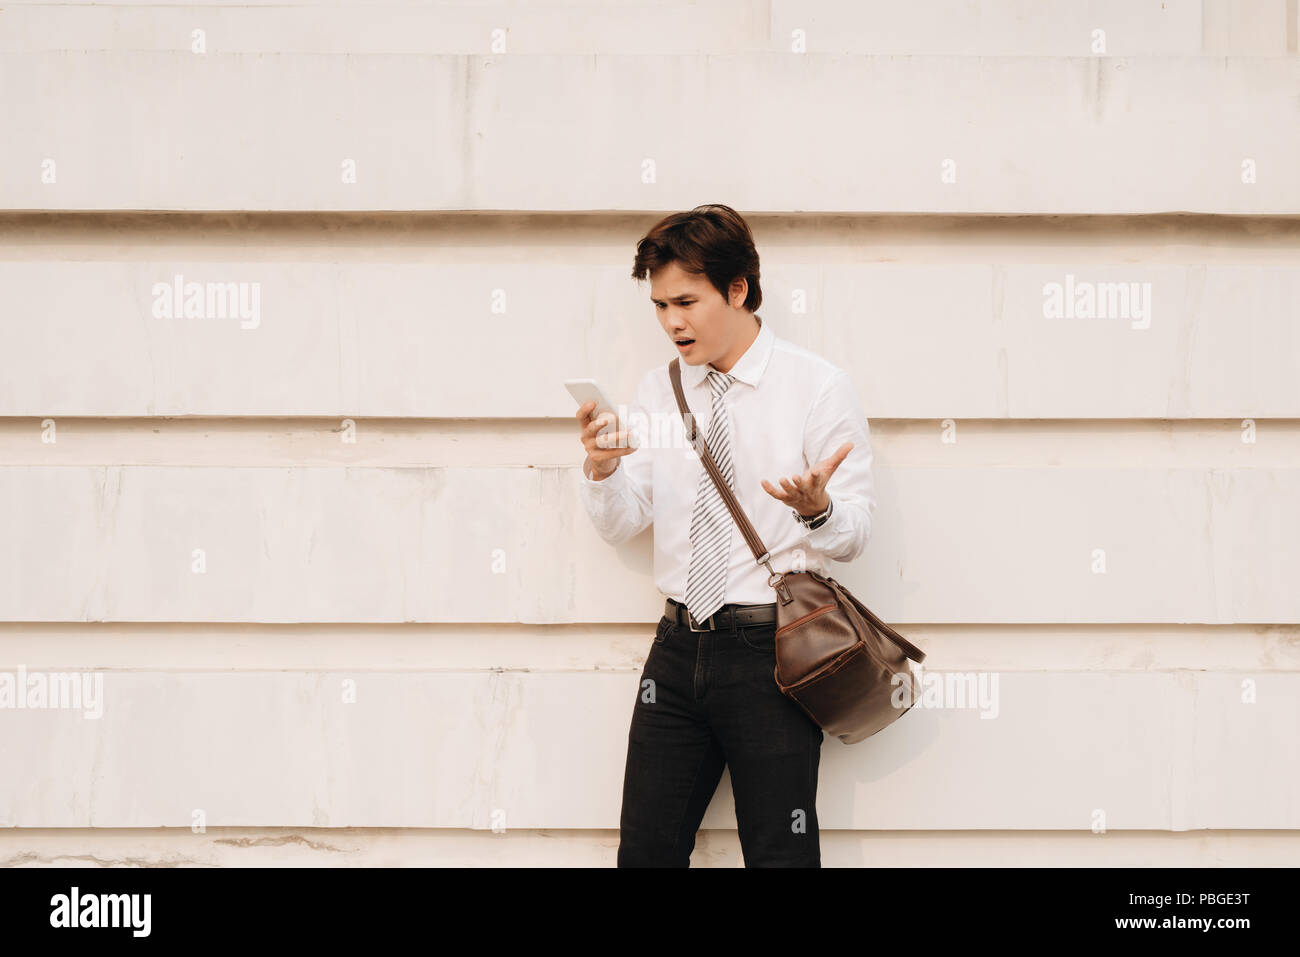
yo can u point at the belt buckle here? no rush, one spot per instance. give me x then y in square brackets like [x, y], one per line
[708, 622]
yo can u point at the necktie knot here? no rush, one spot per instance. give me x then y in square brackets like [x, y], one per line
[720, 381]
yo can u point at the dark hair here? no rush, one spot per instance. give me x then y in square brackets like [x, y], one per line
[712, 240]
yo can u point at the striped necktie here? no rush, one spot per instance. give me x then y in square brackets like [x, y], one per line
[711, 523]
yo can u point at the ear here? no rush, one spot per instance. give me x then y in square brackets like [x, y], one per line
[738, 289]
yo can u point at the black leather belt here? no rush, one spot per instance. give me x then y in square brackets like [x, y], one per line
[726, 617]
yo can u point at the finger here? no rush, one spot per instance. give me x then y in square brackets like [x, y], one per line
[773, 491]
[789, 486]
[831, 463]
[814, 481]
[606, 454]
[602, 421]
[624, 438]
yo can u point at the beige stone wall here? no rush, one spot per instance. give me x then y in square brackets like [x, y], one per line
[323, 558]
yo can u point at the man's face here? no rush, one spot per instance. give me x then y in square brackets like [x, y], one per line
[690, 308]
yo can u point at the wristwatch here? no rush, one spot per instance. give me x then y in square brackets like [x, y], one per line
[814, 521]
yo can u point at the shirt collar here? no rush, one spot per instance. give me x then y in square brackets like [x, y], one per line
[748, 368]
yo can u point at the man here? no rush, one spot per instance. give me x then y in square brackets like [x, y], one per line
[780, 421]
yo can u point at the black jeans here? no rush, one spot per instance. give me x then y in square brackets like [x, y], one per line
[709, 699]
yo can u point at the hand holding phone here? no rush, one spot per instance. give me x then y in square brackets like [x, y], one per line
[598, 423]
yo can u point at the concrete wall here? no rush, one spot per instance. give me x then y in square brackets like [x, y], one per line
[324, 560]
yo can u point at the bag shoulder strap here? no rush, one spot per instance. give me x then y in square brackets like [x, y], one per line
[761, 555]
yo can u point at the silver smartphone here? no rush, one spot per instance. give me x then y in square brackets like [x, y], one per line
[586, 390]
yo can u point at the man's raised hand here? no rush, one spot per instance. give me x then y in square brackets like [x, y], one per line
[604, 448]
[806, 493]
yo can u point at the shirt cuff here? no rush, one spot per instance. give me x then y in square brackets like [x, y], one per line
[821, 537]
[615, 482]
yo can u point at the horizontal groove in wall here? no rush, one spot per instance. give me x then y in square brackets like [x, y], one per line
[554, 443]
[597, 847]
[591, 647]
[600, 238]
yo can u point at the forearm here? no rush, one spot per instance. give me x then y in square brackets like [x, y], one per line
[836, 419]
[616, 510]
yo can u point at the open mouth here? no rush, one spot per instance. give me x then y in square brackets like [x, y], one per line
[683, 343]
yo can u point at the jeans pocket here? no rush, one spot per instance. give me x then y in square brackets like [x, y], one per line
[759, 638]
[662, 632]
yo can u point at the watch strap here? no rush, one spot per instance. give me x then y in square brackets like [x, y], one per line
[816, 521]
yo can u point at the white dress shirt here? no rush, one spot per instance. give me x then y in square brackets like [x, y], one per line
[789, 409]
